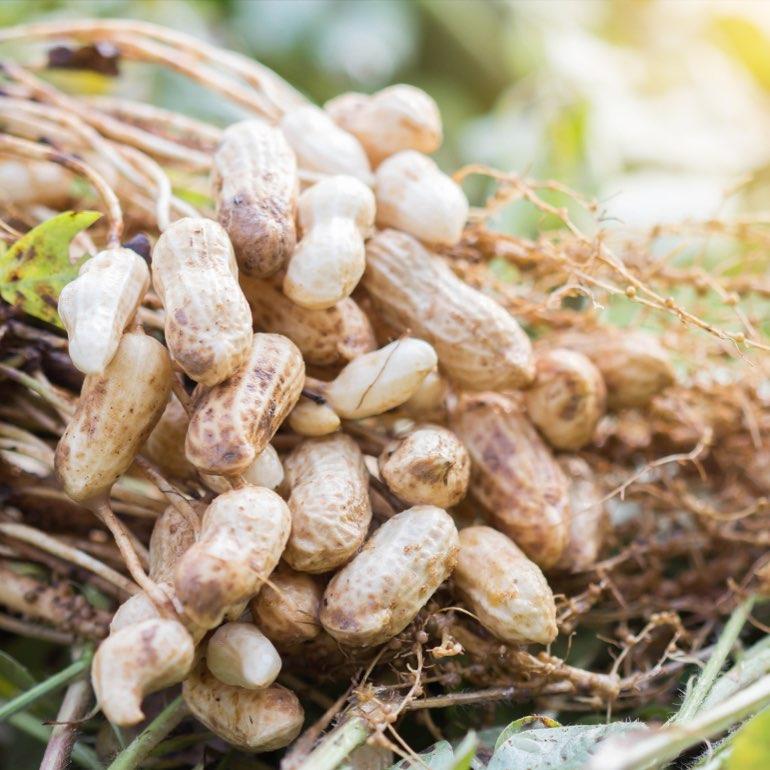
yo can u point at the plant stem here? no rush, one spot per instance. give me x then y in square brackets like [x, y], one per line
[73, 707]
[136, 752]
[337, 745]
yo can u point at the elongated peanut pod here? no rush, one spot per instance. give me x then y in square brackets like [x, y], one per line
[116, 412]
[479, 344]
[567, 399]
[413, 195]
[243, 534]
[325, 337]
[138, 660]
[376, 595]
[515, 476]
[241, 655]
[329, 503]
[286, 609]
[208, 322]
[172, 536]
[254, 177]
[309, 418]
[336, 215]
[251, 720]
[322, 146]
[399, 117]
[165, 445]
[430, 466]
[503, 588]
[378, 381]
[97, 306]
[234, 421]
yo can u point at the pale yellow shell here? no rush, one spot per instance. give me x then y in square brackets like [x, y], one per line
[312, 419]
[239, 654]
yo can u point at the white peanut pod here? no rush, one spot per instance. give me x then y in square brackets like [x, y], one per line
[479, 343]
[329, 503]
[429, 466]
[334, 335]
[380, 380]
[429, 400]
[243, 534]
[254, 177]
[399, 117]
[567, 398]
[172, 536]
[208, 321]
[375, 596]
[97, 306]
[504, 589]
[250, 720]
[312, 419]
[165, 445]
[286, 609]
[137, 660]
[515, 476]
[336, 215]
[415, 196]
[241, 655]
[35, 183]
[233, 422]
[115, 415]
[322, 146]
[137, 608]
[265, 471]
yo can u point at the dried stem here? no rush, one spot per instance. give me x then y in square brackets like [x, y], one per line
[73, 708]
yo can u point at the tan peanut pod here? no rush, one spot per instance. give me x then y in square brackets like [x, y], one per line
[165, 445]
[336, 215]
[415, 196]
[334, 335]
[380, 380]
[322, 146]
[429, 400]
[137, 608]
[589, 521]
[567, 399]
[504, 589]
[400, 117]
[286, 609]
[208, 322]
[97, 306]
[35, 183]
[250, 720]
[515, 476]
[233, 422]
[241, 655]
[254, 178]
[243, 534]
[115, 415]
[329, 503]
[136, 661]
[265, 471]
[377, 595]
[479, 344]
[634, 365]
[429, 466]
[309, 418]
[172, 536]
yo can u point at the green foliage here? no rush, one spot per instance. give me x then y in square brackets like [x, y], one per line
[14, 676]
[751, 746]
[35, 269]
[521, 724]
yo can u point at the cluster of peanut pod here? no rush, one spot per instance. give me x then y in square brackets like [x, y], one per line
[316, 304]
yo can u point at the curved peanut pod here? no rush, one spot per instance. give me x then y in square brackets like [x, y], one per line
[243, 534]
[329, 503]
[138, 660]
[208, 321]
[479, 344]
[415, 196]
[241, 655]
[400, 117]
[250, 720]
[378, 594]
[378, 381]
[172, 536]
[567, 399]
[515, 476]
[97, 306]
[336, 215]
[165, 445]
[265, 471]
[430, 466]
[234, 421]
[309, 418]
[330, 336]
[286, 610]
[116, 412]
[505, 590]
[322, 146]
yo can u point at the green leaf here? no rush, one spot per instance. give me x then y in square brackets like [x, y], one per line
[519, 725]
[37, 267]
[14, 675]
[465, 752]
[751, 745]
[439, 757]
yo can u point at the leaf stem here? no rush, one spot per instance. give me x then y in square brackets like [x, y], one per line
[337, 745]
